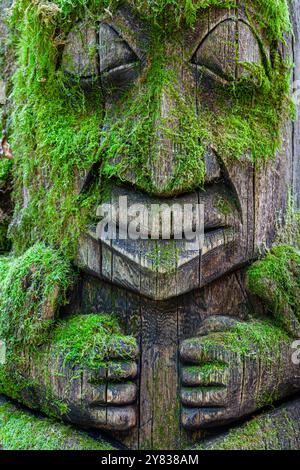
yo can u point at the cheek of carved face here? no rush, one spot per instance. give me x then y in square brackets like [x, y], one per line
[186, 117]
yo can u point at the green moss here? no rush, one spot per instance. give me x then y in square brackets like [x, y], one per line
[35, 281]
[20, 430]
[276, 280]
[244, 338]
[89, 340]
[224, 206]
[5, 170]
[272, 15]
[269, 431]
[164, 256]
[252, 436]
[205, 372]
[56, 135]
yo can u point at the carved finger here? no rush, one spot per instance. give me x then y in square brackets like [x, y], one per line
[115, 394]
[114, 418]
[216, 324]
[197, 418]
[208, 374]
[122, 370]
[121, 418]
[204, 396]
[123, 349]
[115, 371]
[119, 371]
[121, 394]
[196, 350]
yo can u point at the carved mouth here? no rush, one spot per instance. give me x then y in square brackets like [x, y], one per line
[161, 269]
[220, 211]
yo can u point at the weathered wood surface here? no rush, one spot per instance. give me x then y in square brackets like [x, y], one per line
[165, 305]
[276, 430]
[295, 13]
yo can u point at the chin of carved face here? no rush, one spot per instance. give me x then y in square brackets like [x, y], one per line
[160, 148]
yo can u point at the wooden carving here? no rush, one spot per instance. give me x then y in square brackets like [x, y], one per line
[185, 121]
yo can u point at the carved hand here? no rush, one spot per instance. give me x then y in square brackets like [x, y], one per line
[98, 388]
[103, 398]
[233, 369]
[85, 374]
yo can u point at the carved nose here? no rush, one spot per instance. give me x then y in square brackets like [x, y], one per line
[163, 158]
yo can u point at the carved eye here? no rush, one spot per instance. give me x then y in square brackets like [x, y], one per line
[119, 65]
[99, 51]
[225, 47]
[114, 52]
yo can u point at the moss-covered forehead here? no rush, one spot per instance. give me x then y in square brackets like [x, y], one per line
[272, 15]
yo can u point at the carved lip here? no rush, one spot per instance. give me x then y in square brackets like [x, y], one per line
[161, 269]
[220, 210]
[149, 254]
[141, 266]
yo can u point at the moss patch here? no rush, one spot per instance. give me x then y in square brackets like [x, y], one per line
[244, 338]
[276, 279]
[270, 431]
[20, 430]
[32, 287]
[88, 341]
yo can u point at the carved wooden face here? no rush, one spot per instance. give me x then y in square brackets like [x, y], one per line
[188, 114]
